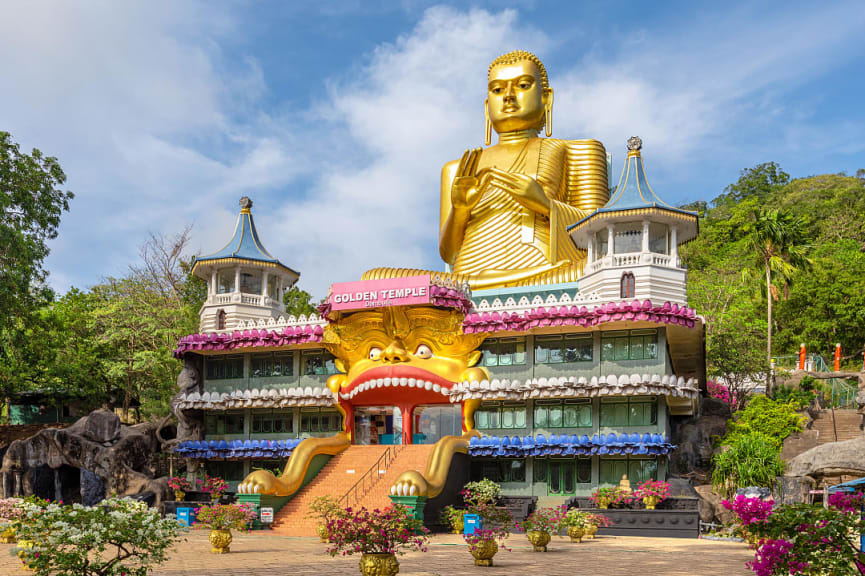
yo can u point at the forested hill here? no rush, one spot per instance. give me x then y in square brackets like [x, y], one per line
[811, 234]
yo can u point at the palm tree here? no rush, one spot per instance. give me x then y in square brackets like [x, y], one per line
[778, 241]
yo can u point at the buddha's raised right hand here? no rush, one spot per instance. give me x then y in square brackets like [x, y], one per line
[466, 190]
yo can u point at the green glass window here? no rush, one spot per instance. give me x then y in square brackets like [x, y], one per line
[567, 414]
[273, 423]
[272, 365]
[633, 345]
[318, 363]
[578, 348]
[495, 415]
[499, 470]
[220, 423]
[565, 475]
[539, 470]
[629, 412]
[320, 420]
[637, 470]
[504, 352]
[223, 368]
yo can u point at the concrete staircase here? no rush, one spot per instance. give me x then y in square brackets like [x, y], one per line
[339, 475]
[846, 423]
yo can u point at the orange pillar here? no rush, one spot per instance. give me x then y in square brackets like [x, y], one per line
[837, 357]
[802, 357]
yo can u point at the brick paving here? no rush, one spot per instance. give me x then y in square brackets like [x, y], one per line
[258, 554]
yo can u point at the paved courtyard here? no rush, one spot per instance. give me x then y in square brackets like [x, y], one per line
[256, 554]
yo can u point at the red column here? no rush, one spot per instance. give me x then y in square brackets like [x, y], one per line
[407, 428]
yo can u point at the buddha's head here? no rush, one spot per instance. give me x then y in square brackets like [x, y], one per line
[519, 96]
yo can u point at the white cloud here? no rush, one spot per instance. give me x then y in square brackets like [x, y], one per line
[159, 122]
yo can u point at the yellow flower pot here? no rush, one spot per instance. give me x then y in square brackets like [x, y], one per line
[650, 502]
[484, 552]
[378, 565]
[590, 530]
[215, 497]
[220, 541]
[539, 540]
[179, 495]
[323, 533]
[7, 536]
[459, 525]
[576, 533]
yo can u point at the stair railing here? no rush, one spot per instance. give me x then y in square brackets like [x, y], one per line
[369, 479]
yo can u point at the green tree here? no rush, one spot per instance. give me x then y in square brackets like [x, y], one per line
[777, 240]
[298, 302]
[31, 203]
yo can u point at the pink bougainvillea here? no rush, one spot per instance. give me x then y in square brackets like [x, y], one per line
[749, 510]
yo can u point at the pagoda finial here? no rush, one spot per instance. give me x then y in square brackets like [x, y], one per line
[634, 145]
[245, 205]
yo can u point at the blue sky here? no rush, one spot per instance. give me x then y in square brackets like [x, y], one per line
[336, 118]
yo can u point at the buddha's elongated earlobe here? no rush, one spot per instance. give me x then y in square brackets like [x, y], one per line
[488, 127]
[548, 112]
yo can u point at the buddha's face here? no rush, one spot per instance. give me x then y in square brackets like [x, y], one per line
[515, 97]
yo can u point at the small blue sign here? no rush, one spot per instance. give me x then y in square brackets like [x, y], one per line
[472, 523]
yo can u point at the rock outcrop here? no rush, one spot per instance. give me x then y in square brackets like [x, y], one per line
[834, 459]
[694, 437]
[95, 454]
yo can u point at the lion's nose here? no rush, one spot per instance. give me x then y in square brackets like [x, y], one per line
[395, 352]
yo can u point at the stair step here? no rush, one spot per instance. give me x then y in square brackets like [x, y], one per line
[333, 480]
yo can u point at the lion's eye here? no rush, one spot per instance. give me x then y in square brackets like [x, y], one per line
[424, 352]
[374, 353]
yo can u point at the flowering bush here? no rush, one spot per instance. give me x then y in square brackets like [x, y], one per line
[544, 520]
[225, 516]
[116, 537]
[11, 510]
[721, 392]
[388, 531]
[612, 495]
[807, 539]
[324, 508]
[749, 510]
[482, 491]
[179, 483]
[599, 520]
[452, 518]
[842, 500]
[576, 517]
[656, 488]
[214, 485]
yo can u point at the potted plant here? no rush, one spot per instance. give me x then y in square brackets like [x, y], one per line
[181, 486]
[216, 486]
[608, 496]
[11, 511]
[652, 493]
[480, 492]
[378, 535]
[221, 518]
[453, 519]
[495, 528]
[540, 525]
[576, 522]
[324, 509]
[595, 521]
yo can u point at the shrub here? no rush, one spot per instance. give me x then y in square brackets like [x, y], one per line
[389, 531]
[214, 485]
[481, 491]
[118, 536]
[452, 517]
[656, 488]
[324, 509]
[179, 483]
[11, 510]
[749, 510]
[774, 420]
[613, 495]
[798, 398]
[749, 460]
[543, 520]
[576, 517]
[807, 539]
[225, 516]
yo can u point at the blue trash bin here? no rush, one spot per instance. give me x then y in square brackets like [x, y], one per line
[472, 523]
[186, 516]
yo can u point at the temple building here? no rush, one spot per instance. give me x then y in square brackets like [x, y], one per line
[550, 357]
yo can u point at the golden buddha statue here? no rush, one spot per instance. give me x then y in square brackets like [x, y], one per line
[505, 209]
